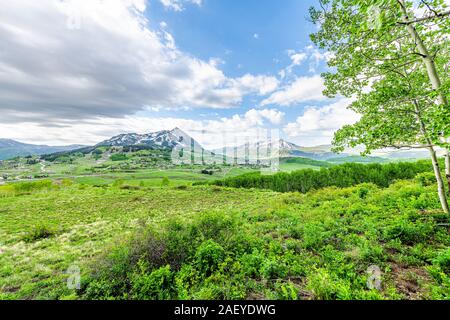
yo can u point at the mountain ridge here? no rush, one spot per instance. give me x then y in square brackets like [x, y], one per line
[10, 148]
[177, 138]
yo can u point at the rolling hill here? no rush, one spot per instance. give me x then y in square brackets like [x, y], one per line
[11, 148]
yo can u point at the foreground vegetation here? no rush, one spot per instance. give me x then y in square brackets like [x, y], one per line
[209, 242]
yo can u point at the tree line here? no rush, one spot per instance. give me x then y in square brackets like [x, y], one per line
[345, 175]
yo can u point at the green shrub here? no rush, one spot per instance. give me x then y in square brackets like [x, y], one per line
[363, 192]
[165, 182]
[24, 187]
[443, 261]
[284, 291]
[118, 157]
[426, 179]
[7, 190]
[39, 232]
[326, 286]
[409, 232]
[129, 187]
[251, 264]
[152, 253]
[208, 256]
[273, 268]
[118, 183]
[426, 201]
[156, 285]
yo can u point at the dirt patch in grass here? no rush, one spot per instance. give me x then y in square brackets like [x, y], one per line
[409, 280]
[255, 296]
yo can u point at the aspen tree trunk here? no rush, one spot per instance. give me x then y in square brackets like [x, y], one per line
[426, 57]
[436, 85]
[447, 168]
[440, 181]
[434, 160]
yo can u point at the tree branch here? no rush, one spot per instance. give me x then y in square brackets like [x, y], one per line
[407, 146]
[426, 18]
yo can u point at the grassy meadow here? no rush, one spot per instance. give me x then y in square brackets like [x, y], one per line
[153, 235]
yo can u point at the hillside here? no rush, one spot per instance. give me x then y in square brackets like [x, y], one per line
[358, 159]
[11, 148]
[220, 243]
[296, 163]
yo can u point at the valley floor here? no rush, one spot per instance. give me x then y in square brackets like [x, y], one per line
[223, 243]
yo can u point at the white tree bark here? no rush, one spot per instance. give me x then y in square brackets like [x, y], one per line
[447, 169]
[436, 85]
[434, 160]
[440, 181]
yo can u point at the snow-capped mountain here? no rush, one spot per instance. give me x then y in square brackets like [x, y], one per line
[166, 138]
[282, 148]
[285, 145]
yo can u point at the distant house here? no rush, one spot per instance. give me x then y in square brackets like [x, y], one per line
[2, 181]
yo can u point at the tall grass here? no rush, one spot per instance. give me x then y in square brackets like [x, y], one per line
[18, 188]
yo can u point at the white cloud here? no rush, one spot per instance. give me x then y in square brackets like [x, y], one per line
[298, 58]
[303, 89]
[90, 132]
[318, 124]
[261, 84]
[257, 117]
[311, 54]
[178, 5]
[88, 59]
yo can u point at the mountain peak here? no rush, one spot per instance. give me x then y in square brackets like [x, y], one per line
[165, 138]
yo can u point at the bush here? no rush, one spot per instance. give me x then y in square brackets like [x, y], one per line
[326, 286]
[118, 183]
[363, 192]
[208, 256]
[24, 187]
[284, 291]
[129, 187]
[443, 261]
[119, 157]
[426, 179]
[273, 268]
[251, 263]
[167, 264]
[38, 233]
[165, 182]
[156, 285]
[409, 232]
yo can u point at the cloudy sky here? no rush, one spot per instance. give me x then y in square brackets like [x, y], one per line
[80, 71]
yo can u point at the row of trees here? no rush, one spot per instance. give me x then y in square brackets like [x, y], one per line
[391, 58]
[341, 176]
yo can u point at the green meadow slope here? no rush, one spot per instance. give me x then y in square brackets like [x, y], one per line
[133, 241]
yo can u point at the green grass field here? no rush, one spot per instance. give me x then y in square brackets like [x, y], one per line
[293, 164]
[208, 242]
